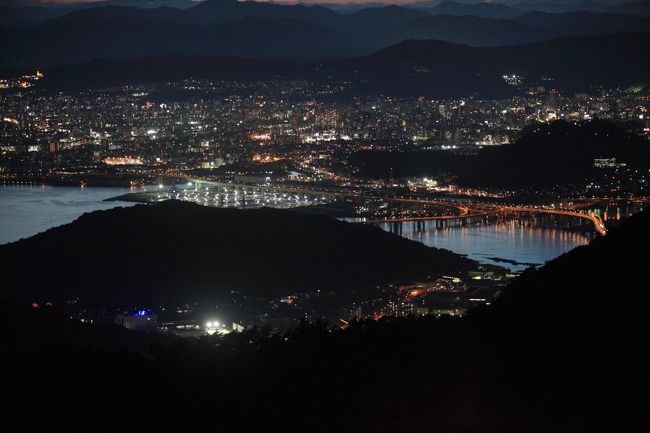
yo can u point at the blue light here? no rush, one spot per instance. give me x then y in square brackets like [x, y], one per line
[140, 313]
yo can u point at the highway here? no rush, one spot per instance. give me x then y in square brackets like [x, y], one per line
[598, 223]
[465, 210]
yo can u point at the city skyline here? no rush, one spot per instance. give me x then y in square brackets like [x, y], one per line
[352, 217]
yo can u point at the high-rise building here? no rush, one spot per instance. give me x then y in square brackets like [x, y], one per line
[553, 100]
[401, 308]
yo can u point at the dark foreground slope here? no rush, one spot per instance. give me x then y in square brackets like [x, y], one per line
[595, 297]
[562, 351]
[181, 252]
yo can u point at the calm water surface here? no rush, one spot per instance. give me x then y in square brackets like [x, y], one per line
[526, 245]
[27, 210]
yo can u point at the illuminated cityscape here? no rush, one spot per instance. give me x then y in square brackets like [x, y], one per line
[421, 216]
[284, 145]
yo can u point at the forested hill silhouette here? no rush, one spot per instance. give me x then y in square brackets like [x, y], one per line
[561, 350]
[483, 9]
[412, 68]
[559, 153]
[594, 292]
[181, 252]
[266, 29]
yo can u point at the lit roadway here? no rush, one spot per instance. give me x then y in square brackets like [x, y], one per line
[465, 210]
[485, 210]
[598, 223]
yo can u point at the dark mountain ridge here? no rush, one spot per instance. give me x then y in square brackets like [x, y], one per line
[126, 32]
[558, 154]
[641, 8]
[561, 350]
[485, 10]
[144, 255]
[563, 153]
[411, 68]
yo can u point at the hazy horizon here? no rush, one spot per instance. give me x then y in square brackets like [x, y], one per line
[388, 2]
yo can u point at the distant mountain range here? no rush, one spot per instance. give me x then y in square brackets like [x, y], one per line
[411, 68]
[632, 8]
[485, 10]
[510, 9]
[41, 37]
[24, 13]
[471, 7]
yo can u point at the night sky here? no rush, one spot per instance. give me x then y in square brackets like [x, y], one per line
[34, 2]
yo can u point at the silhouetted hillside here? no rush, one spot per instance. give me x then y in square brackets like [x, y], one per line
[106, 73]
[485, 9]
[641, 7]
[219, 11]
[412, 68]
[469, 30]
[16, 17]
[561, 350]
[38, 330]
[559, 153]
[28, 13]
[380, 17]
[178, 251]
[265, 29]
[594, 291]
[434, 65]
[585, 23]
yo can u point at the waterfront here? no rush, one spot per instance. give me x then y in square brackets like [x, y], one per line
[509, 243]
[28, 210]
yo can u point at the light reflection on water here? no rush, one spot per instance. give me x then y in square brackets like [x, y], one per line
[27, 210]
[510, 240]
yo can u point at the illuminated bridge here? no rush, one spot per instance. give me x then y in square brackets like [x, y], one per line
[227, 194]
